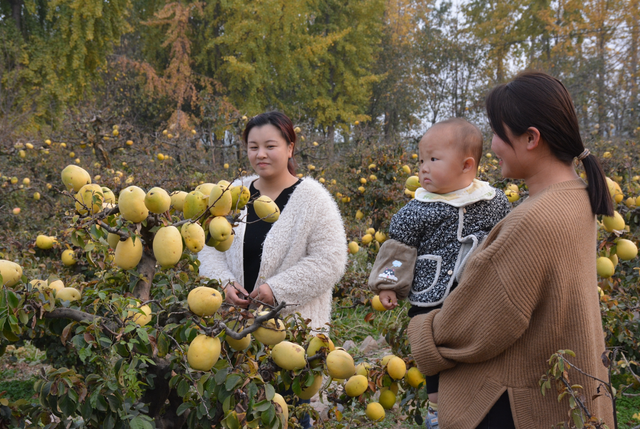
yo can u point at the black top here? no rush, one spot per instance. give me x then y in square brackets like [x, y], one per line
[256, 232]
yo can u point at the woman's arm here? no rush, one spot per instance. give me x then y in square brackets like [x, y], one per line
[326, 255]
[213, 265]
[489, 310]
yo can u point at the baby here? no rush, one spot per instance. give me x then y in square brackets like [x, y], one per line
[432, 236]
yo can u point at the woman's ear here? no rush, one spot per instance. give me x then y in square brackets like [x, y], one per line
[533, 138]
[290, 147]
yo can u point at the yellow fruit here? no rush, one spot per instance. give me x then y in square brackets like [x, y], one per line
[89, 199]
[223, 246]
[396, 368]
[366, 239]
[615, 222]
[363, 369]
[359, 215]
[512, 196]
[68, 294]
[353, 247]
[266, 209]
[311, 167]
[26, 181]
[316, 343]
[141, 318]
[406, 169]
[386, 359]
[204, 301]
[68, 257]
[414, 377]
[310, 391]
[321, 180]
[220, 200]
[387, 399]
[38, 284]
[14, 180]
[203, 353]
[193, 236]
[177, 200]
[373, 178]
[380, 237]
[109, 196]
[278, 399]
[131, 204]
[11, 272]
[412, 183]
[615, 191]
[45, 242]
[614, 259]
[239, 197]
[340, 364]
[22, 153]
[240, 344]
[56, 285]
[626, 249]
[361, 189]
[195, 203]
[370, 231]
[157, 200]
[604, 267]
[128, 253]
[74, 177]
[375, 412]
[129, 142]
[269, 333]
[160, 157]
[606, 155]
[630, 202]
[289, 356]
[220, 228]
[113, 239]
[167, 246]
[377, 304]
[363, 180]
[356, 385]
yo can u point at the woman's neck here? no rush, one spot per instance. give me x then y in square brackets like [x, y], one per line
[273, 186]
[548, 174]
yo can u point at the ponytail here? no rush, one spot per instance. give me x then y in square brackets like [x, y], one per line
[597, 187]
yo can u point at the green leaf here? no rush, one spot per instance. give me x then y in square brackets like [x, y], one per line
[183, 407]
[163, 344]
[142, 334]
[140, 422]
[232, 381]
[269, 391]
[183, 388]
[13, 299]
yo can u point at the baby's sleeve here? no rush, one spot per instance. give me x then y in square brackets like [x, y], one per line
[393, 269]
[410, 224]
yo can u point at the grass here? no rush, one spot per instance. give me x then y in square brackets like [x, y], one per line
[17, 371]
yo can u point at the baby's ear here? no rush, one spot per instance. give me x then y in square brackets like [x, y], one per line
[469, 164]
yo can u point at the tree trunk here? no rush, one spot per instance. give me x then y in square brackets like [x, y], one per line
[16, 12]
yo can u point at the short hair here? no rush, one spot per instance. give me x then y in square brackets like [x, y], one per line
[468, 137]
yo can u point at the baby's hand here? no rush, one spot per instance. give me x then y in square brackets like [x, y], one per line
[388, 299]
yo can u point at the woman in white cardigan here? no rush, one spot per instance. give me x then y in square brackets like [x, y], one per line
[303, 254]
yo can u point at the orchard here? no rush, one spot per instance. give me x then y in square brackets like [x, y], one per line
[100, 272]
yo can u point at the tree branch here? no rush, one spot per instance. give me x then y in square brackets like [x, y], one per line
[70, 313]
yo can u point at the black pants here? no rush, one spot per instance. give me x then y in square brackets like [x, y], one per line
[499, 416]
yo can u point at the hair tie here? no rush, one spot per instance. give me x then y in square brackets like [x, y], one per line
[585, 153]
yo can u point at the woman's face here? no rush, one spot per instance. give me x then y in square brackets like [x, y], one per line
[512, 158]
[268, 151]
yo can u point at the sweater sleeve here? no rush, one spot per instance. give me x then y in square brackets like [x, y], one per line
[492, 306]
[325, 260]
[213, 265]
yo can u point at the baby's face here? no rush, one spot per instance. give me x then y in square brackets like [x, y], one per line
[441, 162]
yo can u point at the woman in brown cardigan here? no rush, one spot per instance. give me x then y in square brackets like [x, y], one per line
[531, 288]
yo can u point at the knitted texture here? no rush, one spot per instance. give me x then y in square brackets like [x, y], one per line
[304, 254]
[528, 291]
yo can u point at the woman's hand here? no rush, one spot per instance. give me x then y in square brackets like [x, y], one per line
[263, 293]
[235, 294]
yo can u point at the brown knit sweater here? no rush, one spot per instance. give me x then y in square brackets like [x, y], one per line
[529, 291]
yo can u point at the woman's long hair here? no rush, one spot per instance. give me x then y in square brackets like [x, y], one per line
[282, 123]
[535, 99]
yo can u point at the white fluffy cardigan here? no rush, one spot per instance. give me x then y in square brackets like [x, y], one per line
[304, 254]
